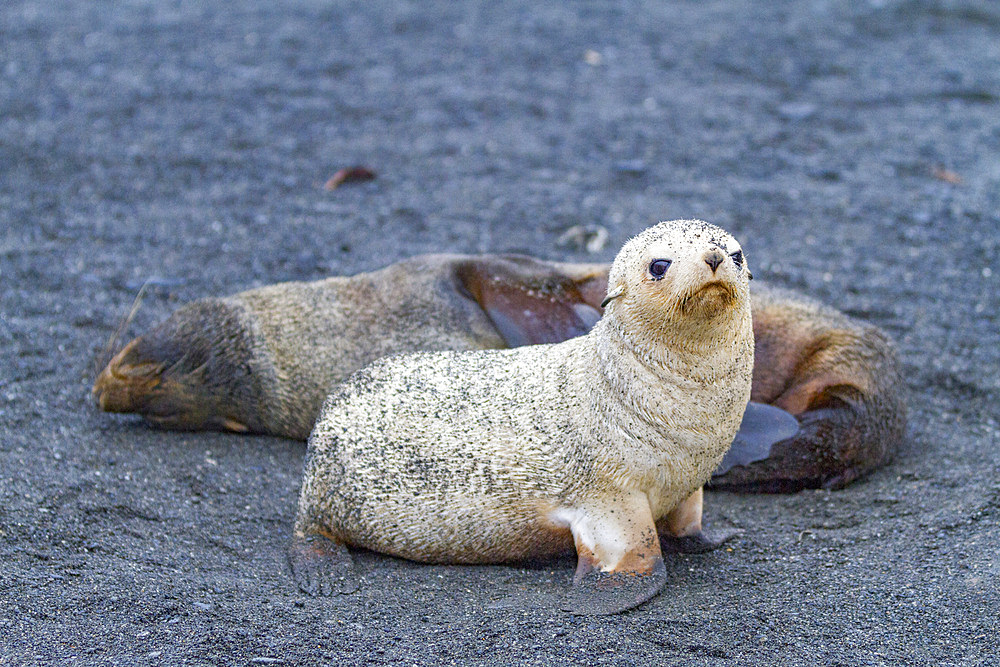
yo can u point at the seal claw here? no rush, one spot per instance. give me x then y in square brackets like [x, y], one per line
[321, 567]
[599, 593]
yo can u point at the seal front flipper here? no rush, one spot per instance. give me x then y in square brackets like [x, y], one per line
[529, 301]
[681, 530]
[321, 566]
[762, 426]
[619, 561]
[834, 446]
[598, 593]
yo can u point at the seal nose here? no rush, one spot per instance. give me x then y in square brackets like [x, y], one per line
[713, 258]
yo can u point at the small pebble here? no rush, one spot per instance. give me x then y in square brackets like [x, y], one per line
[592, 238]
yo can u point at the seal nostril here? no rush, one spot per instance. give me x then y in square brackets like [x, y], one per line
[713, 259]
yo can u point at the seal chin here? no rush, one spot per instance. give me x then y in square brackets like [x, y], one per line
[709, 300]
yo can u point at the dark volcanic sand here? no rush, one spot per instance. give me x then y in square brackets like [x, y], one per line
[854, 148]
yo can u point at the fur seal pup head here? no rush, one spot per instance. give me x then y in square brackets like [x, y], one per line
[498, 455]
[681, 275]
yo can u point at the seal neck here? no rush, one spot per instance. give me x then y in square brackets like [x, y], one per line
[675, 406]
[679, 355]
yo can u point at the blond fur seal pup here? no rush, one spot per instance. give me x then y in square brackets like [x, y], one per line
[500, 455]
[264, 360]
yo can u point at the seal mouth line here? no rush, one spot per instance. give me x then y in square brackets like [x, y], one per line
[715, 284]
[728, 292]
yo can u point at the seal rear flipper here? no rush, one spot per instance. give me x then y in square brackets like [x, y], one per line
[321, 566]
[681, 531]
[530, 301]
[835, 444]
[762, 426]
[196, 370]
[839, 377]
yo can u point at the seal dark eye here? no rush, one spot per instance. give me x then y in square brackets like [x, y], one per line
[738, 259]
[658, 267]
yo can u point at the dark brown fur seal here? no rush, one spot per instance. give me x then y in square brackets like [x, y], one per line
[262, 361]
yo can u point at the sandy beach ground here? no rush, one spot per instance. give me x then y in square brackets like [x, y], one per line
[853, 148]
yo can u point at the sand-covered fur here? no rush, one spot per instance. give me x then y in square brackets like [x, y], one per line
[497, 455]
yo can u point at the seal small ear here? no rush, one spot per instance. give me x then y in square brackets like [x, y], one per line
[612, 296]
[527, 300]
